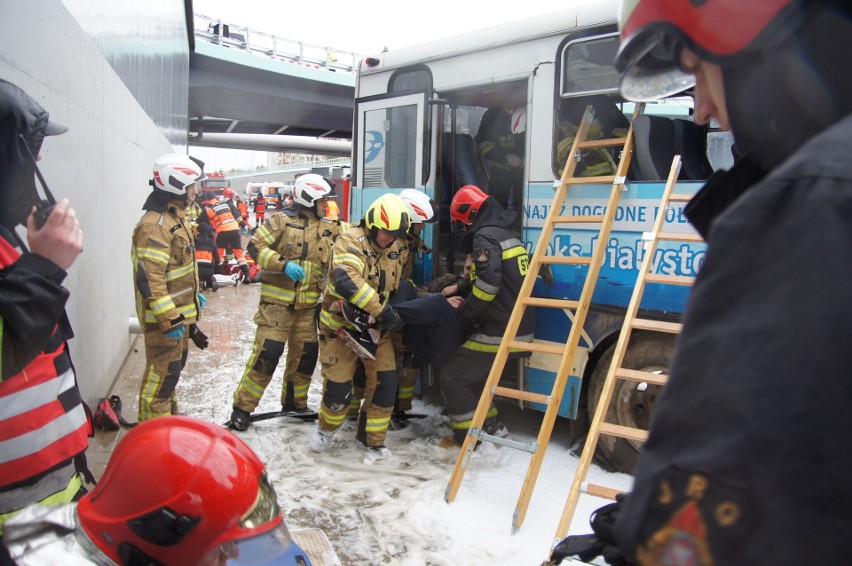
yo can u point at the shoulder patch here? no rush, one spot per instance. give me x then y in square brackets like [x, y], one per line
[393, 255]
[481, 256]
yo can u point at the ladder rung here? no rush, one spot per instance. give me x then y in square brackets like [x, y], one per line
[680, 197]
[642, 376]
[624, 432]
[599, 490]
[566, 260]
[556, 350]
[670, 279]
[678, 237]
[522, 395]
[599, 180]
[656, 325]
[552, 303]
[577, 219]
[609, 142]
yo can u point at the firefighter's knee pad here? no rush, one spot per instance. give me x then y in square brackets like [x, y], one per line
[337, 395]
[308, 361]
[267, 359]
[386, 383]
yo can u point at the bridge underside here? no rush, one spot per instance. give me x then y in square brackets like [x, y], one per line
[234, 92]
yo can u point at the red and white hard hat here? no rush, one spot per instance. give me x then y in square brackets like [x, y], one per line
[420, 207]
[310, 188]
[653, 32]
[174, 172]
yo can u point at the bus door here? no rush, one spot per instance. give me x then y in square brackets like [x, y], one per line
[391, 155]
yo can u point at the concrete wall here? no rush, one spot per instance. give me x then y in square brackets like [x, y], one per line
[102, 165]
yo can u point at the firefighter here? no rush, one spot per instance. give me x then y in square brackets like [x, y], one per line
[500, 262]
[226, 221]
[44, 419]
[421, 210]
[243, 208]
[364, 271]
[168, 302]
[747, 455]
[176, 490]
[500, 140]
[259, 210]
[294, 251]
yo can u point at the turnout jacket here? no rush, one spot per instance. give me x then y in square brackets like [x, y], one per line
[164, 269]
[304, 239]
[748, 455]
[361, 273]
[500, 262]
[44, 423]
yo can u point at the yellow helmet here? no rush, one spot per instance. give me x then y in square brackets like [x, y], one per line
[388, 213]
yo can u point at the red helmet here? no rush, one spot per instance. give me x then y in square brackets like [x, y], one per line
[653, 32]
[229, 193]
[467, 202]
[176, 488]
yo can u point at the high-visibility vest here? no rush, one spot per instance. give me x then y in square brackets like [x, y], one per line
[44, 422]
[222, 218]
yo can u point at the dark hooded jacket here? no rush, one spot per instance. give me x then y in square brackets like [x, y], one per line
[748, 455]
[500, 262]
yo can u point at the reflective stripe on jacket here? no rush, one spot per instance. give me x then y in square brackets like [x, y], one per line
[164, 270]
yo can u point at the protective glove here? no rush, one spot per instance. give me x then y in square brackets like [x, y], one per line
[294, 271]
[198, 337]
[202, 300]
[175, 333]
[389, 319]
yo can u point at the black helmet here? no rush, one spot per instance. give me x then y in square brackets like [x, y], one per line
[23, 126]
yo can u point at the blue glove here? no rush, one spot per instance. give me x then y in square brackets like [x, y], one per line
[202, 300]
[294, 271]
[175, 332]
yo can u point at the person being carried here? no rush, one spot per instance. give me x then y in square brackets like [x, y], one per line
[168, 301]
[44, 417]
[294, 250]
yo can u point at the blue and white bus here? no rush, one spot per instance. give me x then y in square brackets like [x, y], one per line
[417, 124]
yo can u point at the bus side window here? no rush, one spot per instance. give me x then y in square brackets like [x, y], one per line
[609, 122]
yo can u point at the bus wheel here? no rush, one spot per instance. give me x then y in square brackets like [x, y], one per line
[632, 403]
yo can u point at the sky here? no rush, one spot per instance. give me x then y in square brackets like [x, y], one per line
[361, 27]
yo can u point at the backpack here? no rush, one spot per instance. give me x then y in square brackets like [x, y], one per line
[108, 414]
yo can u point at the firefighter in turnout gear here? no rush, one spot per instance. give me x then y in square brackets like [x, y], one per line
[421, 210]
[294, 251]
[227, 222]
[365, 270]
[166, 279]
[45, 427]
[500, 262]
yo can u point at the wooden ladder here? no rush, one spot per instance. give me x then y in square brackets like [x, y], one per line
[599, 425]
[525, 300]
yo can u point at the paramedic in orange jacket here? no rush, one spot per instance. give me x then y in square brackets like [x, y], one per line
[226, 221]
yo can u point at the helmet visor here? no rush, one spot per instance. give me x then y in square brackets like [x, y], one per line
[653, 68]
[457, 227]
[275, 547]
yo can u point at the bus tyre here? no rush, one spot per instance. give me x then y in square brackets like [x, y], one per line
[632, 403]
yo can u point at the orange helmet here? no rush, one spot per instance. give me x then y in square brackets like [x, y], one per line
[178, 488]
[229, 192]
[466, 203]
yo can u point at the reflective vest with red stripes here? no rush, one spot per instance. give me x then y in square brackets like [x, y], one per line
[43, 421]
[221, 217]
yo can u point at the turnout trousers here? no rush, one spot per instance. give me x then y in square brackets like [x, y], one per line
[462, 381]
[338, 363]
[165, 358]
[278, 326]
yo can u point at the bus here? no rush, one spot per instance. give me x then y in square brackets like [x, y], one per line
[419, 123]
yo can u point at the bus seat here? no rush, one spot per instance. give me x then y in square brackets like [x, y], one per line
[654, 139]
[466, 159]
[691, 144]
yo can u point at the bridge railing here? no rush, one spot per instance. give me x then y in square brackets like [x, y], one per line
[274, 47]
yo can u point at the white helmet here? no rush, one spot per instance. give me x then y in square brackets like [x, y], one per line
[421, 208]
[174, 172]
[310, 188]
[519, 120]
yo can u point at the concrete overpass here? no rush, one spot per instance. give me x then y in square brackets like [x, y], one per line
[250, 90]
